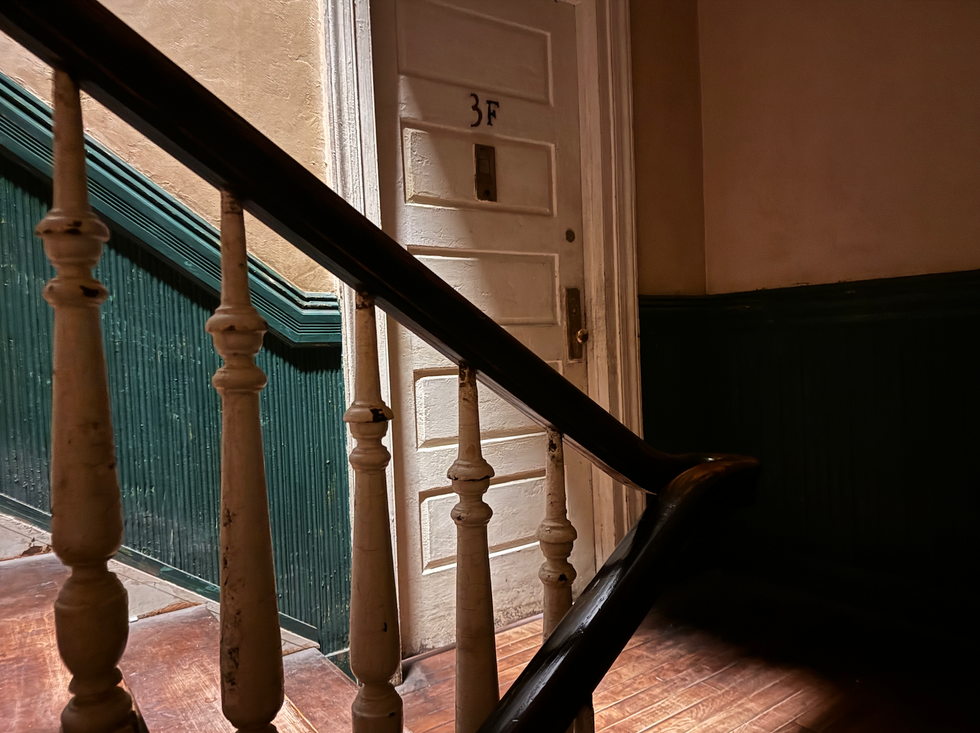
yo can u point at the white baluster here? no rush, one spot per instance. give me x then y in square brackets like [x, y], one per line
[557, 536]
[477, 690]
[375, 647]
[92, 610]
[251, 653]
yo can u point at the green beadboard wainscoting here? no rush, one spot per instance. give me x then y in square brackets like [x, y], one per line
[161, 270]
[863, 402]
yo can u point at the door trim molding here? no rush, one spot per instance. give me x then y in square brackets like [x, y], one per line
[352, 136]
[608, 193]
[606, 124]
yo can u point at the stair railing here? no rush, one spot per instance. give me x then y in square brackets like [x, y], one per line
[251, 650]
[128, 75]
[375, 646]
[92, 611]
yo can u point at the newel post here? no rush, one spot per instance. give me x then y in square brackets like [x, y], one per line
[375, 647]
[477, 690]
[251, 651]
[557, 536]
[92, 610]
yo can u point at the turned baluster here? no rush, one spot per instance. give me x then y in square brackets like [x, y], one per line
[92, 610]
[477, 691]
[251, 653]
[375, 648]
[557, 536]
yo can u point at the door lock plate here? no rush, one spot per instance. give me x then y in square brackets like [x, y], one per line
[486, 172]
[575, 332]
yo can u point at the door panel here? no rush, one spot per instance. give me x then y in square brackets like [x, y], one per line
[450, 77]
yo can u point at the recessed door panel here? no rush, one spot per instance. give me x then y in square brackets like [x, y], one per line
[478, 139]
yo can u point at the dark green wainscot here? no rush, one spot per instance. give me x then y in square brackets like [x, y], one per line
[863, 402]
[161, 267]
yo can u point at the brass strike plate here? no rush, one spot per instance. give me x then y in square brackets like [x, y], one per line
[575, 331]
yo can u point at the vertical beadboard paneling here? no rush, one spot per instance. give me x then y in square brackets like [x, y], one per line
[167, 420]
[25, 320]
[861, 400]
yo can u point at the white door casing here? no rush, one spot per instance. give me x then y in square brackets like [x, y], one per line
[607, 170]
[448, 78]
[605, 84]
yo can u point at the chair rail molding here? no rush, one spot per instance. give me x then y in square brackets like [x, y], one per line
[175, 233]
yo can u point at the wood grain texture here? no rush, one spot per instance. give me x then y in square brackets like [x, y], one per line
[671, 677]
[678, 679]
[320, 690]
[171, 665]
[33, 680]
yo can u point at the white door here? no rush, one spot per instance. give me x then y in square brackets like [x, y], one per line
[478, 140]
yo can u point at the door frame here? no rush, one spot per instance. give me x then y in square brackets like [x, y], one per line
[611, 278]
[608, 198]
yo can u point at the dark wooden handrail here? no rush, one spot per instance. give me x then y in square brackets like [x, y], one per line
[560, 678]
[123, 71]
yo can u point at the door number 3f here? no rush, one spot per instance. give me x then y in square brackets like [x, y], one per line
[492, 108]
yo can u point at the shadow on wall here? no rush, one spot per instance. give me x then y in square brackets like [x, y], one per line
[861, 400]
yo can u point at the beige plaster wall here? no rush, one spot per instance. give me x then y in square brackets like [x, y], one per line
[667, 146]
[841, 139]
[265, 59]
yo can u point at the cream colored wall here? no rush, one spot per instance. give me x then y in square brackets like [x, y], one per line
[667, 146]
[265, 59]
[841, 141]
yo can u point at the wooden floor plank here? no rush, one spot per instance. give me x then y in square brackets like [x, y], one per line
[744, 681]
[715, 658]
[33, 680]
[630, 664]
[747, 708]
[652, 695]
[435, 668]
[667, 707]
[663, 710]
[813, 693]
[821, 710]
[449, 727]
[171, 664]
[674, 679]
[319, 690]
[432, 720]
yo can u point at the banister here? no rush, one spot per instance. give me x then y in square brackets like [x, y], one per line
[560, 678]
[123, 71]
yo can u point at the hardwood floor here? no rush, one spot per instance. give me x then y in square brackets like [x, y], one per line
[170, 665]
[716, 656]
[674, 677]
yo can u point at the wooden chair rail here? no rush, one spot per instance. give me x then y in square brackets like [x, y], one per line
[136, 81]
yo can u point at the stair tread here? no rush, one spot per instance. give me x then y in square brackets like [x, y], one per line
[34, 683]
[171, 665]
[318, 688]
